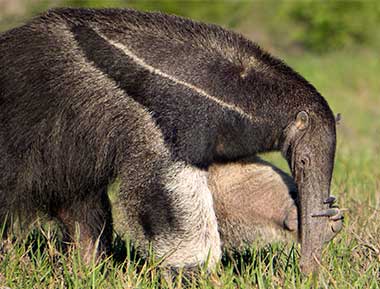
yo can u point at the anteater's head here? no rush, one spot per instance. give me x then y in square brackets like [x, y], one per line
[309, 147]
[293, 117]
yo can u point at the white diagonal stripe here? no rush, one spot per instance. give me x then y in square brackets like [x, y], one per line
[156, 71]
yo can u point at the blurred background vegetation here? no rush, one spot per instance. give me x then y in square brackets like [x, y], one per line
[316, 26]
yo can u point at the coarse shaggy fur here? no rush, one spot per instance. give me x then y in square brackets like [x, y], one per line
[90, 95]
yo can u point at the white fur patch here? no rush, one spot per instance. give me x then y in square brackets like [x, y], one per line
[200, 241]
[157, 71]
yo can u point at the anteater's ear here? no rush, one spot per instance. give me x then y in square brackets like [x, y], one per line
[302, 120]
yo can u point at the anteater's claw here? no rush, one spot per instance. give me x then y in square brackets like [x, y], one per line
[336, 227]
[331, 212]
[330, 200]
[337, 217]
[335, 224]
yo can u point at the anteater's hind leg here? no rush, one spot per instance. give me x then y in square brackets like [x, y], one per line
[5, 215]
[4, 223]
[5, 189]
[88, 225]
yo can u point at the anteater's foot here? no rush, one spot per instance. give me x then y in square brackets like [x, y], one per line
[335, 215]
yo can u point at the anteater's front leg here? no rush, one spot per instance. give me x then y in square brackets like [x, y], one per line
[173, 211]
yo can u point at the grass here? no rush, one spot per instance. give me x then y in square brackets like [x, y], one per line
[350, 83]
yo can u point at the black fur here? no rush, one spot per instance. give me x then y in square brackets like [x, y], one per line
[71, 102]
